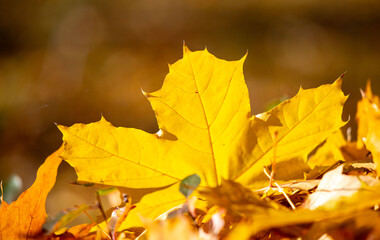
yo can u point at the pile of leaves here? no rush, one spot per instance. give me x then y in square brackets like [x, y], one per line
[214, 171]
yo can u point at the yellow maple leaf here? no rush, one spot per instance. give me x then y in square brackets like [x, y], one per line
[206, 127]
[368, 118]
[335, 150]
[24, 218]
[365, 107]
[330, 152]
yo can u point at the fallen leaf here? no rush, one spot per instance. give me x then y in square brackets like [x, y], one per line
[235, 198]
[338, 203]
[206, 128]
[368, 118]
[365, 108]
[364, 167]
[335, 185]
[153, 205]
[275, 218]
[337, 148]
[82, 232]
[329, 152]
[300, 123]
[372, 140]
[118, 217]
[357, 226]
[24, 218]
[304, 185]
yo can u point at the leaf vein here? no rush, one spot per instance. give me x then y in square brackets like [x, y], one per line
[170, 107]
[117, 156]
[224, 97]
[205, 116]
[286, 134]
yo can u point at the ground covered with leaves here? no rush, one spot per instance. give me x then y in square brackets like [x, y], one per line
[214, 171]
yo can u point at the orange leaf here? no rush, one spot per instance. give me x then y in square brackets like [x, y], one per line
[82, 231]
[24, 218]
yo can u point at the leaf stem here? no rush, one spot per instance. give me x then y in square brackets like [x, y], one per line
[275, 140]
[88, 215]
[281, 191]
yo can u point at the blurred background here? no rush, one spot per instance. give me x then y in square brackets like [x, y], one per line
[69, 61]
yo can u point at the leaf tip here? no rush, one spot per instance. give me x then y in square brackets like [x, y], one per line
[245, 55]
[338, 85]
[368, 89]
[185, 49]
[61, 127]
[339, 81]
[146, 94]
[102, 118]
[242, 60]
[343, 74]
[362, 93]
